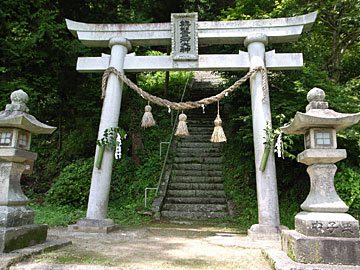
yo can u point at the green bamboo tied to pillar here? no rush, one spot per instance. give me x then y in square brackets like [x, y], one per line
[109, 141]
[264, 158]
[271, 135]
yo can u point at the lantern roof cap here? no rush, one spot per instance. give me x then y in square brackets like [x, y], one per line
[16, 115]
[319, 116]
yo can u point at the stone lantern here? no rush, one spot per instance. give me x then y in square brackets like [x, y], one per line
[17, 228]
[324, 233]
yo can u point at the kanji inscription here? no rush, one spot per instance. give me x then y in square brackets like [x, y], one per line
[184, 36]
[185, 46]
[347, 227]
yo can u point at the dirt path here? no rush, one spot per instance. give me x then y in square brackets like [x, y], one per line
[154, 247]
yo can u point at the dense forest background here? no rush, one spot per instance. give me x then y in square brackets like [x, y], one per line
[38, 54]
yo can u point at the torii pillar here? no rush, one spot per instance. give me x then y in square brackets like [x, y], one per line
[96, 216]
[255, 34]
[266, 183]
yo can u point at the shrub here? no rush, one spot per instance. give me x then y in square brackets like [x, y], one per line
[347, 185]
[72, 186]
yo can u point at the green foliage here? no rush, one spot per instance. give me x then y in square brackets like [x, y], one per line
[154, 82]
[109, 137]
[56, 215]
[239, 181]
[347, 184]
[72, 185]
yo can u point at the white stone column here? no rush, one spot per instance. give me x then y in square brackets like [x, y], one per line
[101, 178]
[266, 184]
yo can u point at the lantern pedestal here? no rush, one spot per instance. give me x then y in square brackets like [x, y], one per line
[12, 238]
[16, 219]
[320, 250]
[323, 196]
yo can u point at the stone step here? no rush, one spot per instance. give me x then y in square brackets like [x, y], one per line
[199, 167]
[201, 129]
[196, 173]
[198, 154]
[195, 186]
[206, 83]
[196, 138]
[198, 150]
[196, 193]
[193, 215]
[210, 126]
[196, 179]
[195, 207]
[200, 122]
[196, 200]
[207, 89]
[201, 119]
[210, 112]
[204, 77]
[206, 133]
[201, 160]
[198, 132]
[198, 145]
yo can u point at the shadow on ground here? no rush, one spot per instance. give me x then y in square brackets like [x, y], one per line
[154, 247]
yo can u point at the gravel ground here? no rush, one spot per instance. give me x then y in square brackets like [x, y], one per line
[153, 247]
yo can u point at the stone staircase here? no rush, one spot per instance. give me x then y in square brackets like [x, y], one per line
[195, 189]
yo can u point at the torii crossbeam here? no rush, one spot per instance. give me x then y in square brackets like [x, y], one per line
[254, 34]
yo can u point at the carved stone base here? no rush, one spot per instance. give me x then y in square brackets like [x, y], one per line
[327, 224]
[94, 226]
[13, 238]
[265, 232]
[322, 250]
[12, 216]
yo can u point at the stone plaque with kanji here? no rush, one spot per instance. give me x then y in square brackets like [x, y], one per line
[184, 36]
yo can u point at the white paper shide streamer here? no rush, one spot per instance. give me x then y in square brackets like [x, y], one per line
[118, 147]
[279, 146]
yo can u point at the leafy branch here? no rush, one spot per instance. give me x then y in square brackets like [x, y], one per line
[109, 137]
[109, 140]
[283, 142]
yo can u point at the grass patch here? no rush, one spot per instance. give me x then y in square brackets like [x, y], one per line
[63, 215]
[55, 215]
[74, 256]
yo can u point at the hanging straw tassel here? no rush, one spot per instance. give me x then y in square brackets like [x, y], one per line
[147, 119]
[218, 134]
[182, 129]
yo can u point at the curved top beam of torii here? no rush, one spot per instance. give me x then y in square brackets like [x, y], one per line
[221, 32]
[209, 32]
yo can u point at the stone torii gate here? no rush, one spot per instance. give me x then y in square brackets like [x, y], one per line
[185, 33]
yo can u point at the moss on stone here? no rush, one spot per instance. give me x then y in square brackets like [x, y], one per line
[29, 237]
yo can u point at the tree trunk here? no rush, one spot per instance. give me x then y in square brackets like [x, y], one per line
[167, 76]
[60, 138]
[137, 147]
